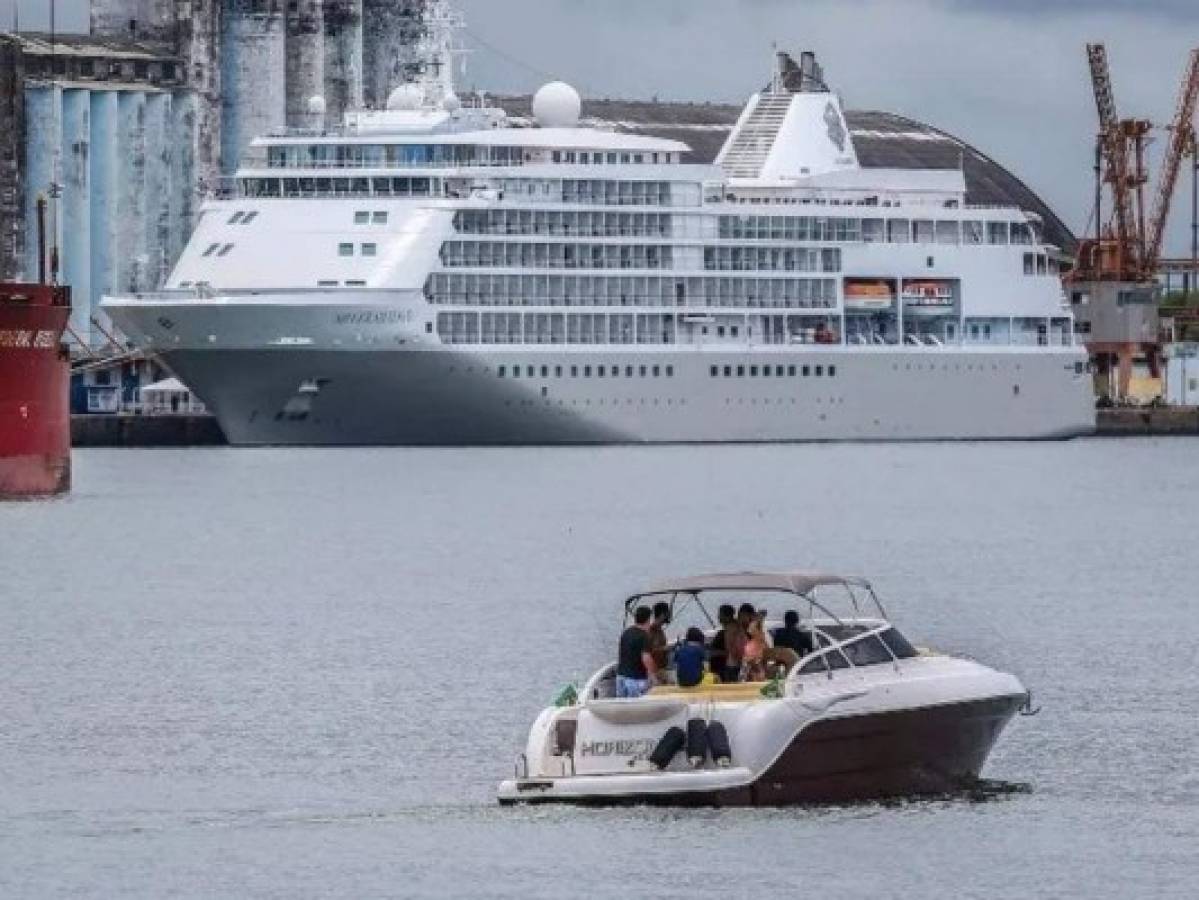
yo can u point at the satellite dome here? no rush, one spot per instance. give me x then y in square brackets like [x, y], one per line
[316, 105]
[557, 105]
[406, 96]
[451, 103]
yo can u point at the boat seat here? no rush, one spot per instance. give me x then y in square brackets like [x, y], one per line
[740, 692]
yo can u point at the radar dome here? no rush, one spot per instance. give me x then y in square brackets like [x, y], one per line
[406, 96]
[316, 105]
[451, 103]
[557, 105]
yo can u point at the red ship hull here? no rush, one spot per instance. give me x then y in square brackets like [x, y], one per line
[35, 374]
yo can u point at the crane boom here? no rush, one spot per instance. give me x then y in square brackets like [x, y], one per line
[1182, 131]
[1114, 145]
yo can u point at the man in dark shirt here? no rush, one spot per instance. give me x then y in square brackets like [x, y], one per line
[727, 646]
[791, 637]
[635, 663]
[689, 659]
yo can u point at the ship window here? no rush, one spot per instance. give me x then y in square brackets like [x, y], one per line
[657, 371]
[1029, 264]
[807, 370]
[733, 329]
[628, 371]
[778, 371]
[715, 370]
[869, 651]
[224, 251]
[501, 371]
[185, 284]
[516, 371]
[379, 218]
[720, 331]
[345, 249]
[670, 371]
[574, 371]
[370, 249]
[531, 371]
[642, 372]
[326, 284]
[819, 371]
[545, 371]
[832, 371]
[898, 644]
[728, 371]
[600, 372]
[753, 371]
[791, 371]
[740, 371]
[362, 217]
[212, 248]
[355, 284]
[586, 371]
[235, 218]
[557, 371]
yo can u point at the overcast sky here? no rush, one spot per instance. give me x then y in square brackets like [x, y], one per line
[1009, 76]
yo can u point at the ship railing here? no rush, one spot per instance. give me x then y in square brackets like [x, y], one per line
[851, 652]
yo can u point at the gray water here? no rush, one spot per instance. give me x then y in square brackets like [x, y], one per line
[302, 673]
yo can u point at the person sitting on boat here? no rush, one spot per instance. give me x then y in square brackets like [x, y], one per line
[792, 636]
[728, 646]
[753, 667]
[635, 664]
[658, 644]
[689, 659]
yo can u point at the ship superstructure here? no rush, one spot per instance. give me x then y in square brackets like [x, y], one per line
[436, 273]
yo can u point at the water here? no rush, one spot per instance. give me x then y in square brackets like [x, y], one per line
[302, 673]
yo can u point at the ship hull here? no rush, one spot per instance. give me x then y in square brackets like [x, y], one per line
[918, 752]
[461, 396]
[35, 440]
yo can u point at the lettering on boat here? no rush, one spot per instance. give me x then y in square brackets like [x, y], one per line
[377, 317]
[635, 748]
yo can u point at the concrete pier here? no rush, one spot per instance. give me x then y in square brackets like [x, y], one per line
[1172, 421]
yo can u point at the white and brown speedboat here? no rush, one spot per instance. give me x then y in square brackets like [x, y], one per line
[863, 716]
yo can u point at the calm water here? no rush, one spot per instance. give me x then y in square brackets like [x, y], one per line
[302, 673]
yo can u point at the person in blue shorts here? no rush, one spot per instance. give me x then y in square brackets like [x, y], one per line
[635, 663]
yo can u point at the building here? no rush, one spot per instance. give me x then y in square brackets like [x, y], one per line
[106, 130]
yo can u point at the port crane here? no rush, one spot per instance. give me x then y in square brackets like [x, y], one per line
[1129, 247]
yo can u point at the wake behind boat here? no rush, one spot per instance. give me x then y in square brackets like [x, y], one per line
[863, 715]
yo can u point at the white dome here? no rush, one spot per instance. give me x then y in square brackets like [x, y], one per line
[451, 103]
[316, 105]
[557, 105]
[406, 96]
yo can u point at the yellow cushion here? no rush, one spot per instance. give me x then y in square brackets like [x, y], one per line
[743, 691]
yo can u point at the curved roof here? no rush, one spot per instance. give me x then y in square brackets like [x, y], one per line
[882, 140]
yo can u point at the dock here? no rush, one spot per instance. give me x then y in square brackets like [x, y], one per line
[1169, 421]
[146, 431]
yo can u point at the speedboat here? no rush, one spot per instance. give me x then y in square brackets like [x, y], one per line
[864, 715]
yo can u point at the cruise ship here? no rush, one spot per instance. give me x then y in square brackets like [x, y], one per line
[438, 273]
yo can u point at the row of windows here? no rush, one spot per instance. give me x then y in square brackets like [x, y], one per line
[771, 259]
[555, 328]
[586, 371]
[554, 222]
[599, 290]
[768, 371]
[217, 249]
[1040, 264]
[896, 231]
[493, 254]
[341, 187]
[319, 156]
[243, 218]
[383, 156]
[604, 192]
[347, 249]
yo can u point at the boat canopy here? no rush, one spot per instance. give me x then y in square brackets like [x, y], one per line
[799, 583]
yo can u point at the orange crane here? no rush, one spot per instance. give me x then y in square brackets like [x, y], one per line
[1129, 248]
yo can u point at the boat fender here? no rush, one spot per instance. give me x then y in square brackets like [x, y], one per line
[718, 743]
[672, 742]
[697, 742]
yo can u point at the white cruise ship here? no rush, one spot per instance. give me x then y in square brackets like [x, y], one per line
[435, 273]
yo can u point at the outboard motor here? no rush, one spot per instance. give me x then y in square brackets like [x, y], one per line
[718, 743]
[697, 742]
[672, 742]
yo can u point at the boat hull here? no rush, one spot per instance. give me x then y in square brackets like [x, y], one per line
[442, 397]
[928, 751]
[35, 437]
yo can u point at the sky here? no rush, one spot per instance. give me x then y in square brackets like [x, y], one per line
[1008, 76]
